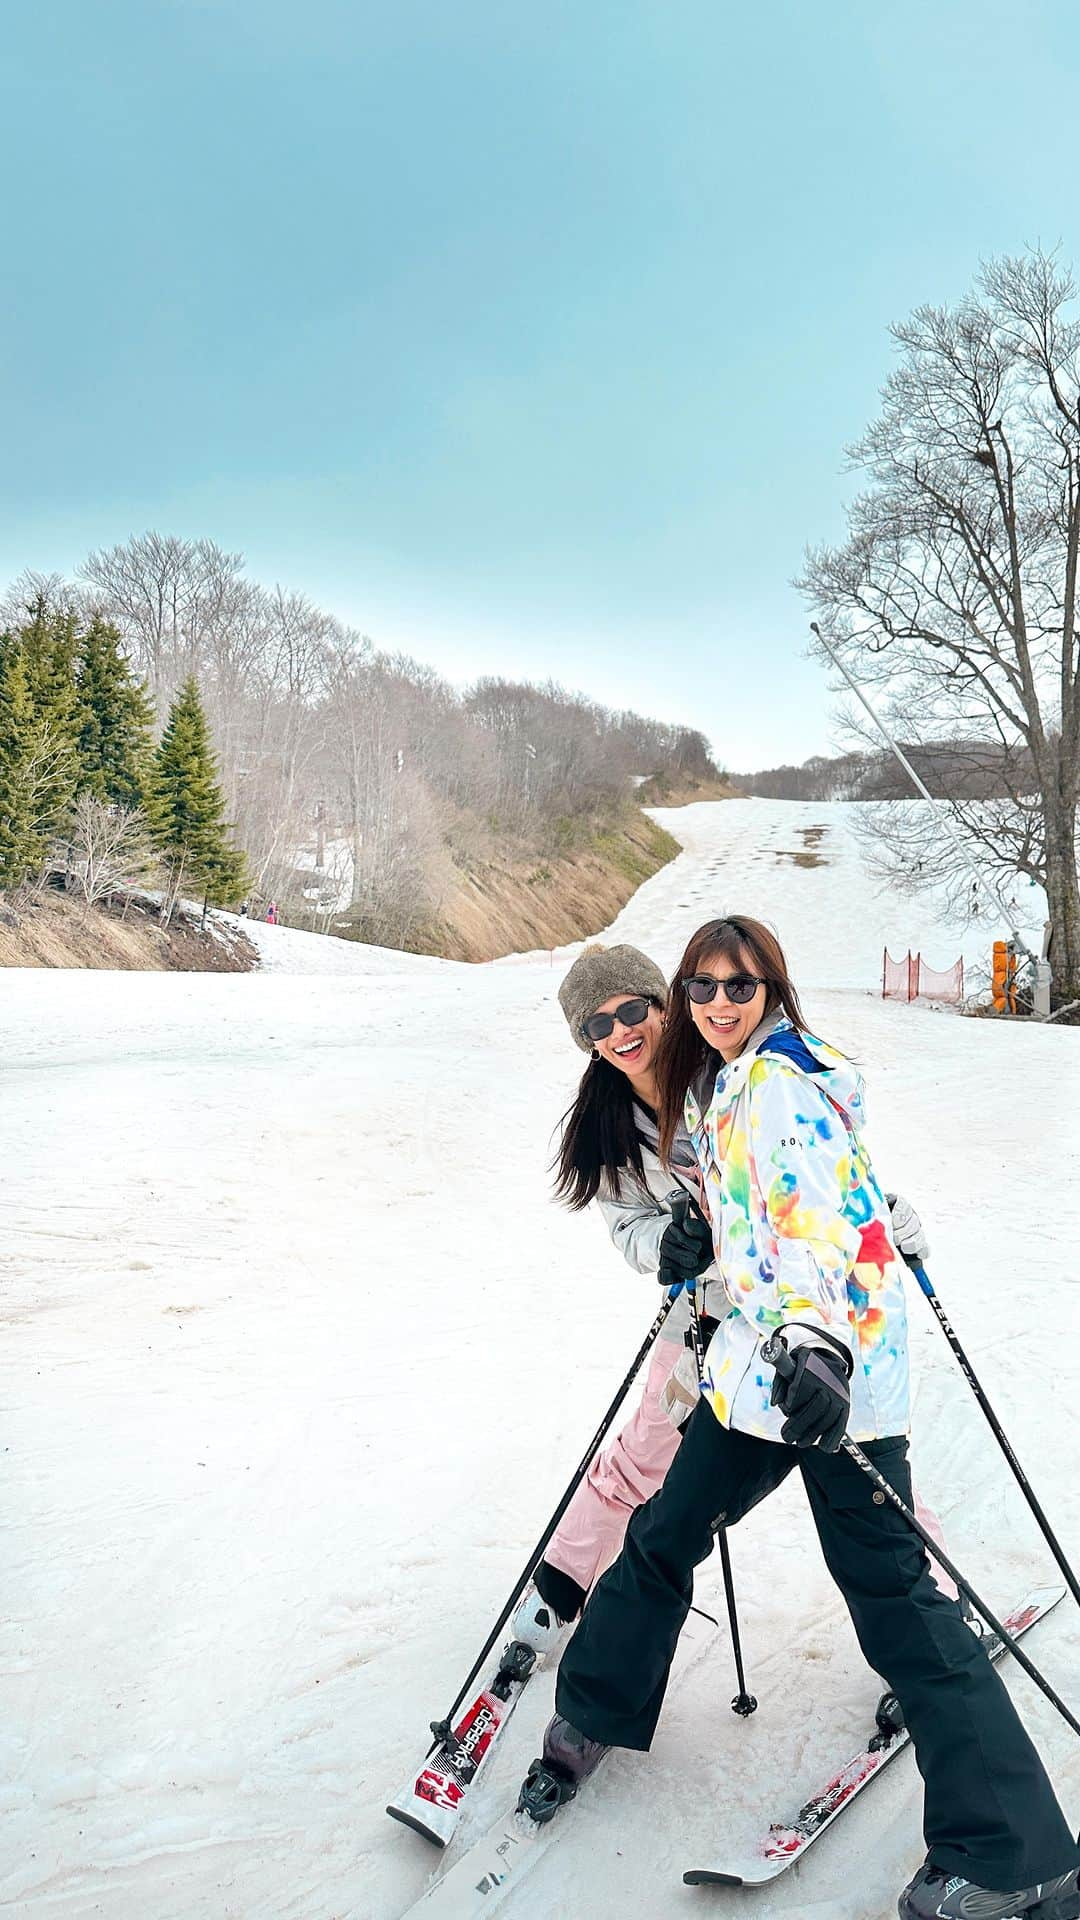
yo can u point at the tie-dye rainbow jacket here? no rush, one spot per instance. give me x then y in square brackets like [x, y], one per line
[801, 1229]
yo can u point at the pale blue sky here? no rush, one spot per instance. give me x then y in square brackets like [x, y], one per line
[525, 337]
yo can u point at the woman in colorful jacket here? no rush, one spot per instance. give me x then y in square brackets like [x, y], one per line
[803, 1244]
[614, 1000]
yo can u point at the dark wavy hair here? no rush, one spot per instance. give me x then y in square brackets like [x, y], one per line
[599, 1137]
[684, 1053]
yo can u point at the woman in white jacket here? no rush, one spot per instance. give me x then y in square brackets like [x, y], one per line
[811, 1276]
[614, 1000]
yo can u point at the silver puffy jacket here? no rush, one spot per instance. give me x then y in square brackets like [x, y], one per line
[638, 1217]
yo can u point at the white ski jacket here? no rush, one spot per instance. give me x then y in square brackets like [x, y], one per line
[801, 1227]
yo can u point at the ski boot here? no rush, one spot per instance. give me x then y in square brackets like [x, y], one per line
[934, 1895]
[889, 1714]
[972, 1620]
[569, 1757]
[538, 1625]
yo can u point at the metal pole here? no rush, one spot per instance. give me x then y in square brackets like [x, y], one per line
[914, 778]
[744, 1703]
[968, 1371]
[774, 1351]
[442, 1728]
[884, 1486]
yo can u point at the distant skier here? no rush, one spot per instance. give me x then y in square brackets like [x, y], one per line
[614, 1000]
[802, 1232]
[272, 914]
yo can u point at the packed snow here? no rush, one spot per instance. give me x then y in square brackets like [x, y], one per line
[299, 1355]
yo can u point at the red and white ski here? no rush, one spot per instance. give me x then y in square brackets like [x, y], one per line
[496, 1862]
[783, 1846]
[431, 1801]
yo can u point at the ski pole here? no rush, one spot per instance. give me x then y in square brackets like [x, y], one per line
[744, 1703]
[777, 1355]
[927, 1287]
[856, 1453]
[442, 1728]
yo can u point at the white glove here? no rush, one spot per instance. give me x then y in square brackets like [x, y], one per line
[908, 1232]
[682, 1389]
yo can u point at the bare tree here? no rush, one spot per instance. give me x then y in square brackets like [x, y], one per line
[173, 601]
[141, 587]
[957, 587]
[108, 849]
[358, 752]
[49, 592]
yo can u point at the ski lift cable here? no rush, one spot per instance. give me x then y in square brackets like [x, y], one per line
[978, 879]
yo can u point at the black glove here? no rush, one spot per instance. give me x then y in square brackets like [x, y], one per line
[686, 1248]
[811, 1387]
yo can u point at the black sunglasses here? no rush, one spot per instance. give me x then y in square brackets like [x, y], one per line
[630, 1014]
[739, 988]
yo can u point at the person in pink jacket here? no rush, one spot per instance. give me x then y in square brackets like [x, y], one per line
[614, 999]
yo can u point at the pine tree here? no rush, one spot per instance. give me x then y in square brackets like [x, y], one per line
[49, 639]
[114, 717]
[16, 720]
[186, 809]
[37, 737]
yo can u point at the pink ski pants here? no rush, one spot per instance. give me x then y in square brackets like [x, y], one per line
[629, 1471]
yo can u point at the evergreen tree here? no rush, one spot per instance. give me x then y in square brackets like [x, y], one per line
[186, 809]
[37, 737]
[16, 719]
[114, 717]
[49, 639]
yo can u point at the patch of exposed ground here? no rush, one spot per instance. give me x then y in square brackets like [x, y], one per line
[515, 906]
[807, 855]
[51, 929]
[681, 790]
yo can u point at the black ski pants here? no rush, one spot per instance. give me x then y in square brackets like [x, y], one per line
[990, 1812]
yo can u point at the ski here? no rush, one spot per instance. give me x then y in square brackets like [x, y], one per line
[481, 1878]
[431, 1802]
[783, 1846]
[499, 1859]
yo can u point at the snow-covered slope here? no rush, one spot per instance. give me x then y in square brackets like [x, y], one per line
[291, 950]
[290, 1387]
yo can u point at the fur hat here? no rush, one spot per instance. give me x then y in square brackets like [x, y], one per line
[600, 972]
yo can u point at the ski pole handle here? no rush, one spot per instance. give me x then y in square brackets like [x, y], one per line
[923, 1278]
[679, 1204]
[774, 1351]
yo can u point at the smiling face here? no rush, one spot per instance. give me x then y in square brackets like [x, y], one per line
[725, 1027]
[632, 1049]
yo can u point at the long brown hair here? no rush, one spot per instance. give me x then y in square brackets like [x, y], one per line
[683, 1052]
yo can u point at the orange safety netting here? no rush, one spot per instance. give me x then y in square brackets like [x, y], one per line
[933, 985]
[898, 977]
[912, 979]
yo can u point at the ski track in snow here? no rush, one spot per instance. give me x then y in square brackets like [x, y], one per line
[298, 1356]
